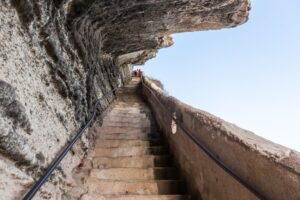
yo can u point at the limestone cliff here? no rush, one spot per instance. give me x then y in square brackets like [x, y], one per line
[58, 56]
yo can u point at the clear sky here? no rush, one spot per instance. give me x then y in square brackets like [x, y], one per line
[248, 75]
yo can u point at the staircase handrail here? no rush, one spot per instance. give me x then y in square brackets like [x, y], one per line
[67, 148]
[207, 151]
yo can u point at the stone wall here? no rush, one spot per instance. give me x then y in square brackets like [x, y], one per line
[271, 168]
[46, 93]
[58, 56]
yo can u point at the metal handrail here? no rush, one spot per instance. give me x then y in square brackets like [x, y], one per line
[57, 161]
[208, 152]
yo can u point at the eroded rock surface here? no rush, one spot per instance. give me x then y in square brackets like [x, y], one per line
[57, 57]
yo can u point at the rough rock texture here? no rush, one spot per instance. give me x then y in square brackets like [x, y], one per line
[58, 56]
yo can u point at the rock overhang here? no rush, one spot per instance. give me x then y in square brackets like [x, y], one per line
[142, 27]
[60, 56]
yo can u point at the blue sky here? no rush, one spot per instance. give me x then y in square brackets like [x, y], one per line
[248, 75]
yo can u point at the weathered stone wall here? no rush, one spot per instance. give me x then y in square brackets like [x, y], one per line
[46, 93]
[271, 168]
[58, 56]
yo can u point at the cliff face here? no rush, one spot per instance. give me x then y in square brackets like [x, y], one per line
[57, 57]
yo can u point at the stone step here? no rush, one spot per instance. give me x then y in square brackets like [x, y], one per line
[136, 111]
[126, 115]
[122, 119]
[127, 143]
[127, 90]
[129, 136]
[134, 106]
[130, 96]
[129, 99]
[149, 187]
[135, 197]
[131, 85]
[120, 116]
[141, 124]
[131, 104]
[130, 151]
[127, 111]
[120, 129]
[145, 161]
[158, 173]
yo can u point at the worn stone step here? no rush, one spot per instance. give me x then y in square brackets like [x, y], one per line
[120, 129]
[125, 93]
[135, 197]
[158, 173]
[129, 87]
[127, 143]
[129, 136]
[130, 96]
[130, 151]
[122, 115]
[136, 112]
[149, 187]
[144, 161]
[133, 107]
[126, 117]
[126, 99]
[140, 124]
[131, 104]
[127, 111]
[127, 90]
[128, 114]
[130, 107]
[123, 119]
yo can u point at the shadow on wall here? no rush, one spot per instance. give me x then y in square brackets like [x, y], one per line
[253, 158]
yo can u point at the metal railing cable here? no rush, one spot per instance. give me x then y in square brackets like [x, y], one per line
[67, 148]
[208, 152]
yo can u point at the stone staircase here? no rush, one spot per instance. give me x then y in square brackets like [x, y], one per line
[131, 160]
